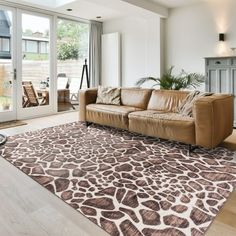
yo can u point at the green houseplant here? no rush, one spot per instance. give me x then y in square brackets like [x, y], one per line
[169, 81]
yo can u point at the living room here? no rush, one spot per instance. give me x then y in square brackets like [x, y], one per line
[95, 137]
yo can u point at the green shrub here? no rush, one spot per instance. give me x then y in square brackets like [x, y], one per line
[66, 51]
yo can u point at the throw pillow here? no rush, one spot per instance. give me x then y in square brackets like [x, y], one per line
[186, 107]
[108, 95]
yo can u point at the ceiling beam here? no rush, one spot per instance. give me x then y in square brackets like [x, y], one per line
[150, 6]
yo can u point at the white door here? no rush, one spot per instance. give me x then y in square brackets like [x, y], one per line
[34, 65]
[8, 91]
[26, 64]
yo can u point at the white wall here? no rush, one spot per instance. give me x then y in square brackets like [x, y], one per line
[140, 39]
[192, 34]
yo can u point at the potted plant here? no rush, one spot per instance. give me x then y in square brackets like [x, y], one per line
[5, 99]
[169, 81]
[6, 103]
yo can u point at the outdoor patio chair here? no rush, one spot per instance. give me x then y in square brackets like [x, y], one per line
[74, 89]
[30, 97]
[63, 91]
[62, 81]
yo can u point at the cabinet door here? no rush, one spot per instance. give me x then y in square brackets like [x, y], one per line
[212, 80]
[223, 81]
[233, 81]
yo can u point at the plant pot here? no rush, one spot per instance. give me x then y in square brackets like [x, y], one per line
[6, 107]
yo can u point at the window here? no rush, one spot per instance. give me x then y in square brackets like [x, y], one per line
[5, 44]
[32, 46]
[23, 45]
[36, 64]
[72, 50]
[43, 47]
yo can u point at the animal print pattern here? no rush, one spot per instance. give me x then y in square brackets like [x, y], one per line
[126, 183]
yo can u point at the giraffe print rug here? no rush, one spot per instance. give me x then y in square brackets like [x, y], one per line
[126, 183]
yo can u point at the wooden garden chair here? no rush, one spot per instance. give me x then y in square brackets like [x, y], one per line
[30, 98]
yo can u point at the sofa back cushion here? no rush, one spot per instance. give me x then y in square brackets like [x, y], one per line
[166, 100]
[135, 97]
[108, 95]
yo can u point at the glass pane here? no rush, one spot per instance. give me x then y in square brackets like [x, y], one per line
[43, 47]
[224, 81]
[72, 50]
[6, 90]
[212, 80]
[23, 46]
[6, 44]
[35, 63]
[31, 46]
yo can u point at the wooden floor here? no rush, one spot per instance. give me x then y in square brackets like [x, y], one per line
[28, 209]
[225, 222]
[67, 106]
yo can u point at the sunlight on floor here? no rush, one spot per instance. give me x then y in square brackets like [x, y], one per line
[43, 122]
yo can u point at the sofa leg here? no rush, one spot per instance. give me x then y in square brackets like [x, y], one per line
[88, 124]
[191, 148]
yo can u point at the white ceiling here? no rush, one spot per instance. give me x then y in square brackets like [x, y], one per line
[89, 9]
[175, 3]
[46, 3]
[107, 9]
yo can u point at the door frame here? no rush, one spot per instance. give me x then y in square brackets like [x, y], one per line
[12, 114]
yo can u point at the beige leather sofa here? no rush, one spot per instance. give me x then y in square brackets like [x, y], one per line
[153, 113]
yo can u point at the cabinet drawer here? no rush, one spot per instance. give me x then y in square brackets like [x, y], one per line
[219, 62]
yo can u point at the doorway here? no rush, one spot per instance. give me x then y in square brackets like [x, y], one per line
[34, 65]
[36, 49]
[25, 65]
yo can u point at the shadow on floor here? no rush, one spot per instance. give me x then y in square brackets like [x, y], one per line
[67, 107]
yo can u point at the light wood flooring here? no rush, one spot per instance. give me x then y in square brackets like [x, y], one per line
[28, 209]
[67, 106]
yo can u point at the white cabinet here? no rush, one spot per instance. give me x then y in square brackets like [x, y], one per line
[221, 76]
[111, 60]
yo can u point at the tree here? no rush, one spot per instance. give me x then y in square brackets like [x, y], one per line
[28, 32]
[72, 39]
[66, 51]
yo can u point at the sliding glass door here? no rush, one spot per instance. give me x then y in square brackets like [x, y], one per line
[7, 65]
[25, 64]
[41, 63]
[35, 65]
[72, 51]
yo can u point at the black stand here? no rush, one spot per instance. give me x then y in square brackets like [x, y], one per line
[84, 71]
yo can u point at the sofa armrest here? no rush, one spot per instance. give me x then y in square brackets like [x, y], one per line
[86, 97]
[213, 119]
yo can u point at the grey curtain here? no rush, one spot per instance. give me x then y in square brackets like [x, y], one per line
[95, 40]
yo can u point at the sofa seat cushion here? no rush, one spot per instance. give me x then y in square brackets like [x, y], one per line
[111, 115]
[164, 125]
